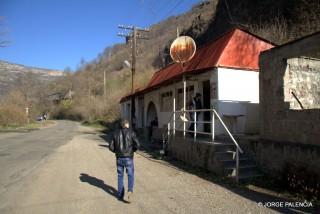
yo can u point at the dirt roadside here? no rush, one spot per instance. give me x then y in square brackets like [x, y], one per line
[80, 177]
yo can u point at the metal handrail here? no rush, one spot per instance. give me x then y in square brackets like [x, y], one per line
[166, 131]
[181, 130]
[206, 110]
[214, 112]
[221, 121]
[194, 110]
[231, 136]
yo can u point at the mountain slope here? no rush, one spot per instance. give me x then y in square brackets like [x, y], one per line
[10, 73]
[277, 21]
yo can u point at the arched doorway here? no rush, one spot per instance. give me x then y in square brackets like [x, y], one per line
[151, 113]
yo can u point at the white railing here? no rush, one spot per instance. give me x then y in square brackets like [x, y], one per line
[172, 129]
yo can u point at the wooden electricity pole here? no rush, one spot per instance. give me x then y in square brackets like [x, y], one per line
[134, 35]
[105, 77]
[104, 85]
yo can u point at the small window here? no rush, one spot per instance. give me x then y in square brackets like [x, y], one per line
[189, 96]
[166, 101]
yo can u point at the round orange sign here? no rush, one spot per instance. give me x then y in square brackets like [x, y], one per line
[182, 49]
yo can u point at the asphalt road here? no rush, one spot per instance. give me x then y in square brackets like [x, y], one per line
[21, 153]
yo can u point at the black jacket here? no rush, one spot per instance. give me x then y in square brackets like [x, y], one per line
[124, 143]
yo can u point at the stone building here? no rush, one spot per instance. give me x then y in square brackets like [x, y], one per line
[290, 108]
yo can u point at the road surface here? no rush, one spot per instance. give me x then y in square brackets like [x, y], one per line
[67, 168]
[20, 153]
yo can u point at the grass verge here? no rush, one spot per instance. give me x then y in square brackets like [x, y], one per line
[25, 128]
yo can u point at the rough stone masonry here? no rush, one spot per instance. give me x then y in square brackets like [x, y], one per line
[301, 83]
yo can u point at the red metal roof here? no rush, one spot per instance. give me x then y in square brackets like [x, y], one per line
[235, 49]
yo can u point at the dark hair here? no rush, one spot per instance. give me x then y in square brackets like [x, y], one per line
[198, 95]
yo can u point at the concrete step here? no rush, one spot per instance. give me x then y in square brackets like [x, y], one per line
[227, 155]
[232, 162]
[219, 146]
[244, 166]
[245, 177]
[243, 169]
[216, 143]
[226, 138]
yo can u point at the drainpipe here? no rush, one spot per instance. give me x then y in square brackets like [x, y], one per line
[174, 111]
[184, 104]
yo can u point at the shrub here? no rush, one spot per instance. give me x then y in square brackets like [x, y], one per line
[12, 115]
[276, 30]
[298, 178]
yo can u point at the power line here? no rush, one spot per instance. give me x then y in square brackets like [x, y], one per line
[228, 11]
[176, 6]
[156, 11]
[150, 7]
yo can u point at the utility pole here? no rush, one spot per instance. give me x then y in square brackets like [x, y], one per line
[104, 85]
[134, 35]
[105, 76]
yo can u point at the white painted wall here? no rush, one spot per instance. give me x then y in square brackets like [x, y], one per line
[237, 94]
[238, 85]
[245, 117]
[155, 97]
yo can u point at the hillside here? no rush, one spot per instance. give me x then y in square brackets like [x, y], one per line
[278, 22]
[10, 74]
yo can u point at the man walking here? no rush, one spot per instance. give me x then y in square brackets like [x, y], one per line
[124, 144]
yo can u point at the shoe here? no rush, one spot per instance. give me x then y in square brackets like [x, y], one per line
[121, 196]
[130, 197]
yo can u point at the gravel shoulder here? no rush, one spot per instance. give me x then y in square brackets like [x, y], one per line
[80, 177]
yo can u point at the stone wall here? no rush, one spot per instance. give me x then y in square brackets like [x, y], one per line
[272, 156]
[289, 147]
[198, 154]
[294, 166]
[301, 83]
[282, 71]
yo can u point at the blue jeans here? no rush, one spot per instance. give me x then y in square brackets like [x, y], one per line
[126, 163]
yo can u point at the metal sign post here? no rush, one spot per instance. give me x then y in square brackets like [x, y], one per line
[182, 50]
[27, 114]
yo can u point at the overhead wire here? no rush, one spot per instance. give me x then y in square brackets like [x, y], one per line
[149, 7]
[155, 11]
[175, 7]
[228, 11]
